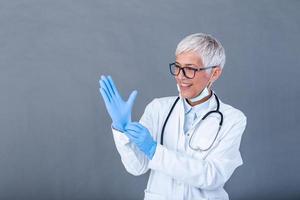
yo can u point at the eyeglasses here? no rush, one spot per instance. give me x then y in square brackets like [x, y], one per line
[188, 72]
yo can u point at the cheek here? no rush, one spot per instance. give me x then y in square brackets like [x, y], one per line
[196, 88]
[197, 84]
[200, 83]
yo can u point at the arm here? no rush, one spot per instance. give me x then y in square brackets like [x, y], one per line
[120, 113]
[134, 161]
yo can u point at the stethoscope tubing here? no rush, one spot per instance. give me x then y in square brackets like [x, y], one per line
[203, 118]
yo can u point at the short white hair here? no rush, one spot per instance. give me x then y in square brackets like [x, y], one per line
[208, 48]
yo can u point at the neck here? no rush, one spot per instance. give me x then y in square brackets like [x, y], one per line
[200, 101]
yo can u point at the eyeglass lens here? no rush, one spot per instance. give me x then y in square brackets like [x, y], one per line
[187, 71]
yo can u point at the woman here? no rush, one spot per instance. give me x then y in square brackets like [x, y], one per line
[191, 142]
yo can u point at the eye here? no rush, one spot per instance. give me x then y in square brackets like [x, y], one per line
[191, 68]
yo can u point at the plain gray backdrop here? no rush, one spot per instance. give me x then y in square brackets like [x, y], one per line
[55, 137]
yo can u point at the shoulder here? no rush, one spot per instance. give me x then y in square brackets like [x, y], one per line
[232, 112]
[234, 121]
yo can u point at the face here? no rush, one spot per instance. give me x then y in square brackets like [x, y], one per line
[190, 88]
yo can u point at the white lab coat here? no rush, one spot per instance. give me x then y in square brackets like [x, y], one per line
[178, 172]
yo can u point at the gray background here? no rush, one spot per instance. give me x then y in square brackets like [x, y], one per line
[55, 138]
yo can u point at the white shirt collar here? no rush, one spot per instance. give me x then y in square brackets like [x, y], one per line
[196, 109]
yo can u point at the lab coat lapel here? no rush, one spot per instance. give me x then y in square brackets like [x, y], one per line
[181, 114]
[174, 127]
[180, 134]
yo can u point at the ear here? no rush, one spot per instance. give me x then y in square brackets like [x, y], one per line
[216, 74]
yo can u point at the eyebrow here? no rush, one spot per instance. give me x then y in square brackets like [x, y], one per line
[186, 64]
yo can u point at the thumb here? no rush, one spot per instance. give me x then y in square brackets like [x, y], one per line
[131, 98]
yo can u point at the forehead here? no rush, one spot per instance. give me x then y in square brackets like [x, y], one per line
[189, 58]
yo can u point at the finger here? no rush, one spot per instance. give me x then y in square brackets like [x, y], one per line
[131, 124]
[104, 96]
[109, 87]
[132, 131]
[140, 126]
[133, 127]
[104, 86]
[132, 98]
[131, 135]
[113, 86]
[106, 92]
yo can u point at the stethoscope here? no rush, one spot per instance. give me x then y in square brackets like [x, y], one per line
[202, 119]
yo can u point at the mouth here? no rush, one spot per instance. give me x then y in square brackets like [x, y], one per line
[185, 85]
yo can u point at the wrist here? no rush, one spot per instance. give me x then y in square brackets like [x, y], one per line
[117, 127]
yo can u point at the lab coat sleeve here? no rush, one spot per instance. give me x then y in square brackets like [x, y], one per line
[134, 161]
[209, 173]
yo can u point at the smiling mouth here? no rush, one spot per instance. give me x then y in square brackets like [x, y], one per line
[185, 84]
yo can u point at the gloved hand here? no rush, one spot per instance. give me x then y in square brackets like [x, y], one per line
[119, 110]
[140, 135]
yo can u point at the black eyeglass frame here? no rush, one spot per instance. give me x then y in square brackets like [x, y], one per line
[190, 68]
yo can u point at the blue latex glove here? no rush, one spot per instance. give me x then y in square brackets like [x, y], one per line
[119, 110]
[140, 135]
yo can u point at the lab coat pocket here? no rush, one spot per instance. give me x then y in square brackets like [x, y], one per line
[153, 196]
